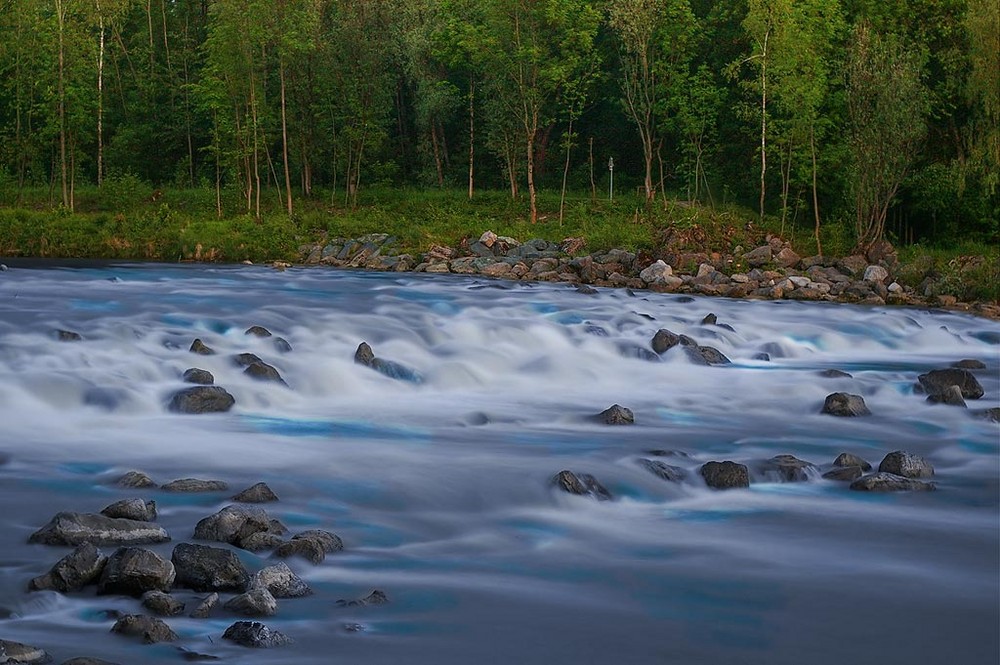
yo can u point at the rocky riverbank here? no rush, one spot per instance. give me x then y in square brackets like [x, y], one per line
[770, 271]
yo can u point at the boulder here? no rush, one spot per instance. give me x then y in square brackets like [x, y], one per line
[834, 374]
[281, 345]
[376, 597]
[150, 629]
[255, 635]
[787, 468]
[280, 581]
[952, 396]
[132, 509]
[365, 356]
[907, 465]
[261, 371]
[258, 331]
[787, 258]
[937, 382]
[656, 273]
[258, 493]
[68, 336]
[77, 528]
[162, 604]
[875, 274]
[74, 571]
[845, 405]
[969, 363]
[206, 606]
[993, 415]
[616, 414]
[844, 473]
[312, 546]
[330, 542]
[135, 480]
[201, 399]
[199, 347]
[758, 257]
[198, 376]
[847, 459]
[725, 475]
[710, 319]
[16, 652]
[233, 524]
[132, 571]
[582, 484]
[256, 602]
[887, 482]
[194, 486]
[706, 355]
[662, 470]
[664, 340]
[205, 568]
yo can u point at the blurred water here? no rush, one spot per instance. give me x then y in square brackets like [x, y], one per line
[441, 491]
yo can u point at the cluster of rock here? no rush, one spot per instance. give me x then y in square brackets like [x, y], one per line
[138, 572]
[770, 271]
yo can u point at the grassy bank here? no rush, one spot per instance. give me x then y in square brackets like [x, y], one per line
[128, 219]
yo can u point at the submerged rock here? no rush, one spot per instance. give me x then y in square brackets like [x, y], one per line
[312, 546]
[68, 336]
[937, 382]
[199, 347]
[201, 399]
[87, 661]
[365, 356]
[376, 597]
[206, 606]
[150, 629]
[132, 571]
[788, 468]
[725, 475]
[834, 374]
[888, 482]
[74, 571]
[132, 509]
[661, 469]
[280, 581]
[257, 493]
[205, 568]
[76, 528]
[664, 340]
[257, 602]
[135, 480]
[233, 525]
[261, 371]
[848, 459]
[162, 603]
[845, 473]
[845, 405]
[258, 331]
[616, 414]
[281, 345]
[198, 376]
[195, 485]
[16, 652]
[255, 635]
[246, 359]
[707, 355]
[907, 465]
[582, 484]
[969, 363]
[952, 396]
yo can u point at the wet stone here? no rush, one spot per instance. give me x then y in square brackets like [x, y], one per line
[135, 480]
[257, 493]
[664, 340]
[582, 484]
[969, 363]
[845, 473]
[205, 568]
[201, 399]
[74, 571]
[233, 525]
[662, 470]
[195, 485]
[888, 482]
[376, 597]
[199, 347]
[246, 359]
[256, 602]
[280, 581]
[261, 371]
[848, 459]
[162, 604]
[725, 475]
[256, 635]
[835, 374]
[77, 528]
[907, 465]
[198, 376]
[68, 336]
[951, 396]
[206, 606]
[87, 661]
[707, 355]
[258, 331]
[132, 571]
[132, 509]
[281, 345]
[306, 548]
[16, 652]
[788, 468]
[149, 629]
[937, 382]
[616, 414]
[845, 405]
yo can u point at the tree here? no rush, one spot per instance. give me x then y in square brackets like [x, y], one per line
[887, 105]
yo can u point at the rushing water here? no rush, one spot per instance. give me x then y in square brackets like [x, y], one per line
[441, 489]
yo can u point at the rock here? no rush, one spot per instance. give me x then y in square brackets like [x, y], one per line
[907, 465]
[951, 396]
[582, 484]
[68, 336]
[847, 459]
[255, 635]
[488, 239]
[132, 509]
[788, 468]
[195, 485]
[875, 274]
[725, 475]
[887, 482]
[661, 469]
[87, 661]
[365, 356]
[205, 568]
[710, 320]
[132, 571]
[135, 480]
[936, 382]
[834, 374]
[376, 597]
[309, 549]
[758, 257]
[199, 347]
[845, 473]
[846, 405]
[664, 340]
[201, 399]
[258, 493]
[280, 581]
[992, 415]
[787, 258]
[162, 604]
[254, 603]
[233, 524]
[969, 363]
[281, 345]
[656, 273]
[616, 414]
[246, 359]
[77, 528]
[16, 652]
[194, 656]
[263, 372]
[852, 266]
[707, 355]
[260, 541]
[150, 629]
[258, 331]
[330, 542]
[74, 571]
[199, 376]
[206, 606]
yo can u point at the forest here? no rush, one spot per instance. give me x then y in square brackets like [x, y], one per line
[881, 116]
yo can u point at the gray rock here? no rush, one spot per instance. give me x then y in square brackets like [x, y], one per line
[707, 355]
[16, 652]
[364, 355]
[656, 273]
[260, 541]
[725, 475]
[263, 372]
[281, 345]
[132, 509]
[280, 581]
[256, 602]
[77, 528]
[87, 661]
[661, 469]
[195, 485]
[664, 340]
[582, 484]
[233, 524]
[199, 376]
[907, 465]
[788, 468]
[937, 382]
[330, 542]
[758, 257]
[710, 319]
[74, 571]
[132, 571]
[257, 493]
[992, 415]
[376, 597]
[258, 331]
[68, 336]
[162, 604]
[150, 629]
[201, 399]
[834, 374]
[205, 568]
[887, 482]
[199, 347]
[952, 396]
[135, 480]
[875, 273]
[616, 414]
[306, 548]
[255, 635]
[845, 405]
[246, 359]
[206, 606]
[845, 473]
[969, 363]
[847, 459]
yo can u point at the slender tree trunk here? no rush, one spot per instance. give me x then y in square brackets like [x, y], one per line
[218, 167]
[472, 136]
[812, 146]
[284, 141]
[590, 162]
[72, 174]
[437, 154]
[149, 23]
[569, 147]
[100, 96]
[763, 121]
[166, 43]
[61, 18]
[532, 194]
